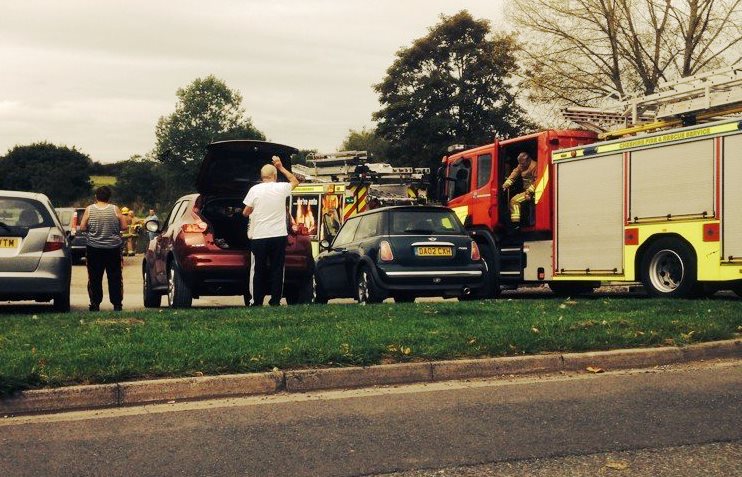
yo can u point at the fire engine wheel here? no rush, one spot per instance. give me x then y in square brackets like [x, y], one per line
[367, 291]
[178, 291]
[152, 299]
[668, 269]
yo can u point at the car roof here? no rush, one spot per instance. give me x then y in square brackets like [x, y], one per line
[414, 208]
[23, 195]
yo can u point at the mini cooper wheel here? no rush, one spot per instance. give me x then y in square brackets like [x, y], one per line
[367, 291]
[178, 291]
[319, 294]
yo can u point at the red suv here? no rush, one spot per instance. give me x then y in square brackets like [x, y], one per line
[202, 247]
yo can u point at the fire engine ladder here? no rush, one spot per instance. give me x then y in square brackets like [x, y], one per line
[683, 102]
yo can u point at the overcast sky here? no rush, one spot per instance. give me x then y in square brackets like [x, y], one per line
[98, 74]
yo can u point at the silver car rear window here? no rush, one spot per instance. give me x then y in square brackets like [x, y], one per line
[25, 213]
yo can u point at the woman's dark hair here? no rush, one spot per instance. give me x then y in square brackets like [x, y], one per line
[103, 193]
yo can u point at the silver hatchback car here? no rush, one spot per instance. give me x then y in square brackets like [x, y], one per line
[35, 260]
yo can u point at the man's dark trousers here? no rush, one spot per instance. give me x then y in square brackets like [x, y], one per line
[108, 260]
[268, 257]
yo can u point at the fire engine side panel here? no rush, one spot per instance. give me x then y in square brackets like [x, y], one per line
[732, 216]
[590, 215]
[673, 180]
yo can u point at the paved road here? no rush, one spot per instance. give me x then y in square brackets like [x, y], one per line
[399, 429]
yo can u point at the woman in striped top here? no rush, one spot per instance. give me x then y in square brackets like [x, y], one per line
[103, 222]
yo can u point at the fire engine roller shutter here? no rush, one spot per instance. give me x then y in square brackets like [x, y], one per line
[673, 180]
[732, 216]
[590, 215]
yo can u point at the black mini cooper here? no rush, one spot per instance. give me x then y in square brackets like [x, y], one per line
[403, 252]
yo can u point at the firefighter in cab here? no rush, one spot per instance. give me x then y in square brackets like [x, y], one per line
[527, 169]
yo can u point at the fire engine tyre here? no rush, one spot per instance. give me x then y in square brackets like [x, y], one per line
[178, 291]
[62, 301]
[152, 299]
[668, 269]
[569, 289]
[367, 291]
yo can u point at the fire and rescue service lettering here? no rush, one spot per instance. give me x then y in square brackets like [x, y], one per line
[664, 138]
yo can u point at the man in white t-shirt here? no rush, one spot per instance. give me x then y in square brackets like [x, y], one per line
[265, 204]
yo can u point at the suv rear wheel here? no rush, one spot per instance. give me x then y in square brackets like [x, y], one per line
[178, 291]
[152, 299]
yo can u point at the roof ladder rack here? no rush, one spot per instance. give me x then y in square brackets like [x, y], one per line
[697, 98]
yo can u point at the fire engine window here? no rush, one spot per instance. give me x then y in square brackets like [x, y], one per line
[484, 170]
[460, 178]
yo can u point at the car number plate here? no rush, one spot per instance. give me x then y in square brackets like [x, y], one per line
[434, 251]
[9, 242]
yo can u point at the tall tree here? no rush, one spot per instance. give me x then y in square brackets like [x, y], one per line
[579, 52]
[207, 110]
[63, 174]
[451, 86]
[141, 181]
[367, 140]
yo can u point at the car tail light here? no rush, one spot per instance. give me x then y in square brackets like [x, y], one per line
[197, 228]
[385, 251]
[475, 256]
[54, 241]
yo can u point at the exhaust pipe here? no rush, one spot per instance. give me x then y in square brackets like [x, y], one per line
[467, 291]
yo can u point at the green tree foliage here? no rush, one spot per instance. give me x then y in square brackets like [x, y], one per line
[207, 110]
[63, 174]
[367, 140]
[140, 183]
[451, 86]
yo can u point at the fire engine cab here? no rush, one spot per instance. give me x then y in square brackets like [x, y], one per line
[656, 201]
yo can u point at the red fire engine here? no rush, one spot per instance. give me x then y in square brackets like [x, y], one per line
[662, 207]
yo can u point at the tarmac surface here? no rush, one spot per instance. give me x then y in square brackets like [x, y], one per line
[560, 424]
[133, 299]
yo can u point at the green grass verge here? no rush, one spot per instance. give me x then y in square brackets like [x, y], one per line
[99, 181]
[62, 349]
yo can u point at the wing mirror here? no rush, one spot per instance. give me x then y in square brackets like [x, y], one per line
[152, 226]
[324, 245]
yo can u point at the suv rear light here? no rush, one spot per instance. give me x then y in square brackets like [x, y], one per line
[54, 241]
[475, 256]
[385, 251]
[197, 228]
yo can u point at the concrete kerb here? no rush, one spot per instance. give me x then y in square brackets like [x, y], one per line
[235, 385]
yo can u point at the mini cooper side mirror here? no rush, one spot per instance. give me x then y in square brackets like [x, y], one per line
[324, 245]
